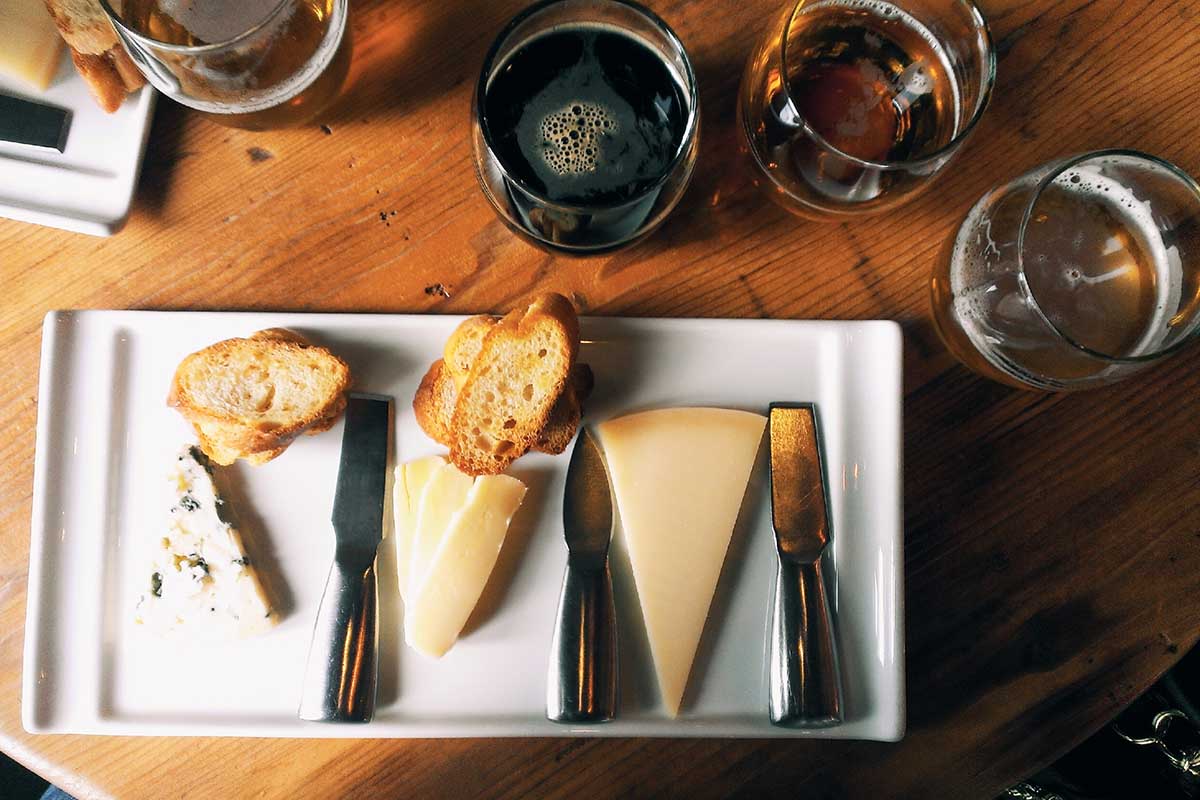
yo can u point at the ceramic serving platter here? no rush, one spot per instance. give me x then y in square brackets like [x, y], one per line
[105, 439]
[88, 188]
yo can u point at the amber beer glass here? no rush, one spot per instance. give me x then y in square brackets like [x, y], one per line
[852, 106]
[254, 64]
[1076, 274]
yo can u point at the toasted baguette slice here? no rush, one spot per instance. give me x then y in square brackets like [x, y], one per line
[229, 443]
[434, 403]
[99, 58]
[461, 350]
[249, 398]
[463, 346]
[567, 413]
[521, 371]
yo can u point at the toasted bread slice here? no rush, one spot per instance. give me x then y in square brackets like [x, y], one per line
[280, 335]
[567, 413]
[521, 371]
[433, 404]
[463, 346]
[249, 398]
[461, 350]
[99, 58]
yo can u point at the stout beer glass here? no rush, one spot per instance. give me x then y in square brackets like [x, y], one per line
[584, 124]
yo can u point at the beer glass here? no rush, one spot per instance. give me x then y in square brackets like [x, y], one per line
[1076, 274]
[585, 124]
[254, 64]
[852, 106]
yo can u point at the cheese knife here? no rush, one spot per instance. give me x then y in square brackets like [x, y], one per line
[340, 676]
[582, 681]
[36, 124]
[805, 684]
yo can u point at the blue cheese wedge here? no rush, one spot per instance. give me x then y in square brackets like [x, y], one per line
[200, 581]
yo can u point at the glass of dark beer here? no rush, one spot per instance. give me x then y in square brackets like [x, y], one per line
[1076, 274]
[585, 124]
[253, 64]
[852, 106]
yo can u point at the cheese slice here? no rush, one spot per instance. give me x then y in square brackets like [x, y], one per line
[29, 42]
[443, 495]
[411, 479]
[679, 475]
[461, 565]
[200, 581]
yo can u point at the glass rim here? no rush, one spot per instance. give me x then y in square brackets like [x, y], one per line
[149, 41]
[685, 141]
[988, 83]
[1027, 289]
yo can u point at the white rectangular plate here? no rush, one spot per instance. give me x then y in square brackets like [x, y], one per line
[89, 187]
[105, 439]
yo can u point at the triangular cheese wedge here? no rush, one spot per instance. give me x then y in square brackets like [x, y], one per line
[443, 495]
[406, 496]
[461, 565]
[200, 582]
[679, 476]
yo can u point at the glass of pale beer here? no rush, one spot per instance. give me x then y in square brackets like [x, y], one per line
[849, 107]
[1076, 274]
[254, 64]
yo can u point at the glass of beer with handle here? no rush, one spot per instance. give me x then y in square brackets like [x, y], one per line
[852, 106]
[254, 64]
[1076, 274]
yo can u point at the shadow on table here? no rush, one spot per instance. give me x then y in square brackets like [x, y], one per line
[406, 55]
[163, 154]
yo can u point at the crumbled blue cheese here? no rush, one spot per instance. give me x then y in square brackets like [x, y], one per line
[200, 580]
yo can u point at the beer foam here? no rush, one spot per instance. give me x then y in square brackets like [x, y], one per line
[583, 139]
[573, 136]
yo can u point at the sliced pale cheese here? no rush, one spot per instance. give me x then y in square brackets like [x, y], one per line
[679, 475]
[411, 479]
[444, 494]
[462, 564]
[200, 581]
[29, 42]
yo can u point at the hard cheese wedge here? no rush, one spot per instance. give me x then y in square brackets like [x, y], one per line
[200, 582]
[29, 42]
[679, 476]
[411, 479]
[443, 495]
[461, 564]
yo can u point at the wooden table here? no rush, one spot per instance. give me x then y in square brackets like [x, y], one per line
[1053, 558]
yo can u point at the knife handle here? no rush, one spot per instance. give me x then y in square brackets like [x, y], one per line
[341, 674]
[804, 676]
[582, 683]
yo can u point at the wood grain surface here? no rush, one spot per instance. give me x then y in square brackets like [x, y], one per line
[1053, 541]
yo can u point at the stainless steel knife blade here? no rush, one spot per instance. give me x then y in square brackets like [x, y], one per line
[32, 123]
[587, 505]
[582, 682]
[804, 676]
[362, 475]
[799, 512]
[342, 670]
